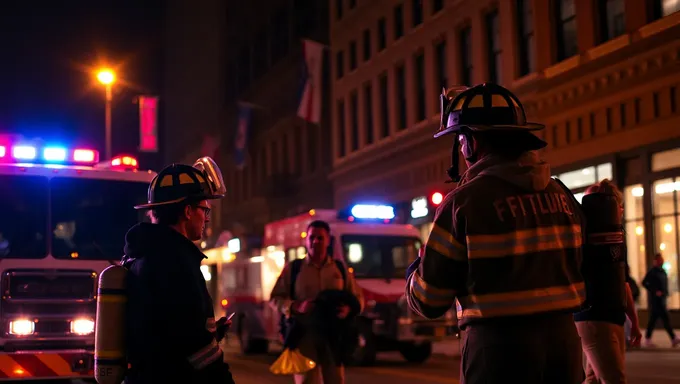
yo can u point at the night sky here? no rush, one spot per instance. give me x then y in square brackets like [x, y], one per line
[49, 50]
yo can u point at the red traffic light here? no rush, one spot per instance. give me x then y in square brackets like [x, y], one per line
[436, 198]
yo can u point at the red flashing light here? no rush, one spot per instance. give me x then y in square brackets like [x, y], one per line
[437, 198]
[124, 162]
[3, 151]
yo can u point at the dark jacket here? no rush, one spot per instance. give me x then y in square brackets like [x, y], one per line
[656, 280]
[170, 319]
[506, 242]
[339, 334]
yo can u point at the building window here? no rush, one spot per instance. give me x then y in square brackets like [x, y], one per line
[398, 22]
[339, 65]
[243, 80]
[417, 12]
[400, 74]
[662, 161]
[525, 32]
[466, 56]
[297, 150]
[437, 5]
[440, 68]
[338, 9]
[261, 59]
[663, 8]
[312, 149]
[567, 46]
[306, 17]
[384, 107]
[382, 34]
[367, 44]
[420, 96]
[354, 116]
[612, 19]
[578, 180]
[634, 219]
[494, 47]
[341, 128]
[666, 220]
[281, 36]
[368, 113]
[352, 55]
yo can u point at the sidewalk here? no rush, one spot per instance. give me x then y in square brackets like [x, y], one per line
[659, 338]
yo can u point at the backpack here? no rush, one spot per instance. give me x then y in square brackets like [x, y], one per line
[295, 267]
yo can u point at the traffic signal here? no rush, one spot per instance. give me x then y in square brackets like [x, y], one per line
[436, 198]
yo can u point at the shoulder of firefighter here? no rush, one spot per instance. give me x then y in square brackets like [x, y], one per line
[329, 277]
[501, 250]
[170, 308]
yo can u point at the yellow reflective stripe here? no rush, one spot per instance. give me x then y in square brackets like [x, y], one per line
[524, 241]
[429, 295]
[109, 354]
[522, 302]
[206, 355]
[442, 242]
[112, 299]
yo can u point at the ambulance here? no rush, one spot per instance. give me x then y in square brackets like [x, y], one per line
[375, 250]
[63, 219]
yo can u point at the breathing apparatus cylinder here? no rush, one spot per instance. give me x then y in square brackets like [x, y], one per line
[604, 252]
[110, 362]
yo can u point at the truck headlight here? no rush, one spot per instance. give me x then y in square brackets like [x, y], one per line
[21, 327]
[82, 326]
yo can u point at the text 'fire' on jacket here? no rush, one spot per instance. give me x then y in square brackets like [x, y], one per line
[170, 323]
[506, 242]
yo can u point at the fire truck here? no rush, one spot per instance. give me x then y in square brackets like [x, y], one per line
[375, 250]
[63, 219]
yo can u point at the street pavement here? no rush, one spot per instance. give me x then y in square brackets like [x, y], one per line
[660, 366]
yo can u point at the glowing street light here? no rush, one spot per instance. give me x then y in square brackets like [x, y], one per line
[107, 77]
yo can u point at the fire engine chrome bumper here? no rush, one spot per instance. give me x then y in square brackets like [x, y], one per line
[58, 364]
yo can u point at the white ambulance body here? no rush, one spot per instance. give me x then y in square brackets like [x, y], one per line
[375, 250]
[63, 219]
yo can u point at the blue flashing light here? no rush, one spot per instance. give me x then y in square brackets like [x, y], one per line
[54, 154]
[370, 211]
[24, 152]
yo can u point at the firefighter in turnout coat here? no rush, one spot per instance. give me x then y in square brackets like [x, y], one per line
[172, 335]
[506, 245]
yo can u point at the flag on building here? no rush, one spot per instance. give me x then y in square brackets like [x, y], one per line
[148, 124]
[310, 102]
[241, 139]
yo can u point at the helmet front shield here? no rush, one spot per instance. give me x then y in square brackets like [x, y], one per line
[212, 174]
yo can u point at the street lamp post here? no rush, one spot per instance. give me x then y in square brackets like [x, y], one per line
[107, 77]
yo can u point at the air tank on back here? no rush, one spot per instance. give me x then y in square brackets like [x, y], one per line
[110, 362]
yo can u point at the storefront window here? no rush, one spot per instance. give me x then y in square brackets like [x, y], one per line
[665, 206]
[580, 179]
[635, 235]
[666, 160]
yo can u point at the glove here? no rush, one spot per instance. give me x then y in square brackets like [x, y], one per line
[223, 325]
[413, 267]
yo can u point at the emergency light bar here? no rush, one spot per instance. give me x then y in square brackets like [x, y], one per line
[37, 154]
[370, 211]
[124, 161]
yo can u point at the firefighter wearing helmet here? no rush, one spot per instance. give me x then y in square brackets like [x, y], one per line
[506, 244]
[171, 332]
